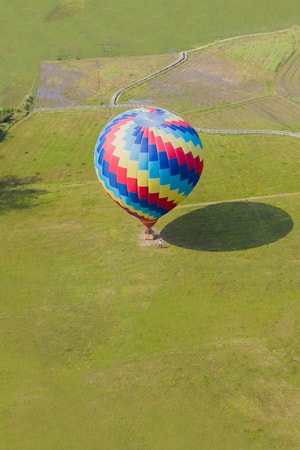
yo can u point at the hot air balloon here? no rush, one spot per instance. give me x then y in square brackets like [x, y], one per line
[148, 161]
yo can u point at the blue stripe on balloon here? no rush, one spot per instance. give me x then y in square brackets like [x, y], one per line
[196, 179]
[144, 204]
[144, 145]
[153, 169]
[134, 153]
[113, 180]
[183, 187]
[105, 169]
[164, 176]
[193, 176]
[139, 137]
[115, 192]
[101, 157]
[187, 133]
[163, 160]
[184, 171]
[135, 131]
[152, 151]
[133, 196]
[143, 161]
[152, 207]
[123, 189]
[175, 182]
[174, 166]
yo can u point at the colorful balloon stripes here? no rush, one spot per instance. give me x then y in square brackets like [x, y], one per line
[148, 161]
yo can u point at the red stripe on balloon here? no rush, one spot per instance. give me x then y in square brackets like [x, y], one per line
[170, 150]
[109, 148]
[180, 156]
[114, 164]
[151, 137]
[132, 185]
[178, 123]
[197, 164]
[153, 198]
[160, 145]
[166, 204]
[190, 160]
[143, 192]
[122, 175]
[201, 165]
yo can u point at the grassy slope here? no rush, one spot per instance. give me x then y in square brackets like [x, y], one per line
[244, 83]
[109, 344]
[34, 31]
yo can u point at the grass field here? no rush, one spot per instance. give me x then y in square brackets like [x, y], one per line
[108, 343]
[34, 31]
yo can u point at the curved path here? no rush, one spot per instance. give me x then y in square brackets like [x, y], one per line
[119, 92]
[181, 59]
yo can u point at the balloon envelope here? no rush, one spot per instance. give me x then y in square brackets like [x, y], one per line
[148, 161]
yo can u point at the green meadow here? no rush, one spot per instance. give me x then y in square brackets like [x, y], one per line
[107, 342]
[34, 31]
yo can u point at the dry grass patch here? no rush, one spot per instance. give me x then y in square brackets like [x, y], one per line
[92, 81]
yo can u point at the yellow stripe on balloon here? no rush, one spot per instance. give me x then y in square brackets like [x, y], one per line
[154, 185]
[124, 159]
[132, 169]
[171, 195]
[180, 142]
[142, 177]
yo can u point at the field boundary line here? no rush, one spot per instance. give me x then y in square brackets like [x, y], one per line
[232, 38]
[243, 199]
[282, 133]
[202, 130]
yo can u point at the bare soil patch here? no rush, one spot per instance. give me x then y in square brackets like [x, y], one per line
[206, 79]
[92, 81]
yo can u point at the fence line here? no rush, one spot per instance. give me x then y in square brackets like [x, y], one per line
[138, 105]
[182, 58]
[282, 133]
[87, 107]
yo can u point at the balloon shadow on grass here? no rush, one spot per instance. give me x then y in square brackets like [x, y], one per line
[229, 226]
